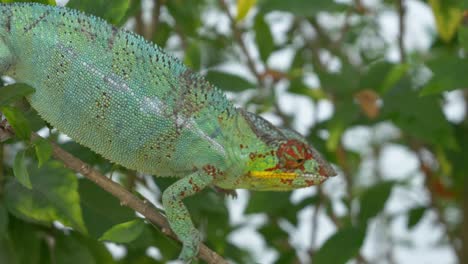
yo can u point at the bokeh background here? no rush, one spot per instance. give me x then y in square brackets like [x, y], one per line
[376, 86]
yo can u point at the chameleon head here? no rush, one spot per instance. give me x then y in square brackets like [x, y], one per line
[289, 164]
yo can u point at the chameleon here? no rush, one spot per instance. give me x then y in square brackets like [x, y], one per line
[127, 100]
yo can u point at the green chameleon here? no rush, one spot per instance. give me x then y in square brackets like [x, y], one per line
[127, 100]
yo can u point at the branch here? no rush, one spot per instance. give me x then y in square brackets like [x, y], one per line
[429, 175]
[401, 24]
[125, 197]
[238, 37]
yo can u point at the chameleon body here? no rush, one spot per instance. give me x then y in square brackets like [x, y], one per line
[124, 98]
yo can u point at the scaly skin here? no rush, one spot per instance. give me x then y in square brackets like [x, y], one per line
[127, 100]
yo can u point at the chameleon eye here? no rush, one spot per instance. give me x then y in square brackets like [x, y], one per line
[291, 154]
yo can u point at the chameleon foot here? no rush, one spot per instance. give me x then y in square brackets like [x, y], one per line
[190, 248]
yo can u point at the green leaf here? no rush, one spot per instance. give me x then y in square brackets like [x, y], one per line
[193, 56]
[415, 215]
[302, 7]
[373, 200]
[101, 210]
[162, 34]
[25, 244]
[228, 82]
[13, 92]
[3, 221]
[341, 246]
[68, 249]
[125, 232]
[17, 121]
[463, 36]
[54, 197]
[112, 11]
[263, 37]
[187, 14]
[20, 170]
[243, 7]
[416, 116]
[270, 202]
[448, 74]
[43, 150]
[448, 16]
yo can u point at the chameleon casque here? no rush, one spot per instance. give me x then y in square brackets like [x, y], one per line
[124, 98]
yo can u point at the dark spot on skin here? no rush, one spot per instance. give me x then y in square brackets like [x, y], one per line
[212, 171]
[8, 21]
[36, 22]
[287, 181]
[110, 41]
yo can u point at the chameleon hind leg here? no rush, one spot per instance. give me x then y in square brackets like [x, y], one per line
[178, 215]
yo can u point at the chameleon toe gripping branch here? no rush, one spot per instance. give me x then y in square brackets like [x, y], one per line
[127, 100]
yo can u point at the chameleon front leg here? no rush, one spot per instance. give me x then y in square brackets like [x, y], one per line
[178, 215]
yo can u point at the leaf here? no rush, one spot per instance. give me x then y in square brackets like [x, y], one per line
[463, 36]
[448, 17]
[112, 11]
[341, 246]
[229, 82]
[243, 7]
[270, 202]
[415, 215]
[448, 74]
[301, 7]
[68, 249]
[43, 150]
[13, 92]
[162, 34]
[263, 37]
[20, 170]
[187, 14]
[17, 121]
[125, 232]
[3, 221]
[373, 200]
[416, 116]
[25, 244]
[193, 56]
[101, 210]
[54, 197]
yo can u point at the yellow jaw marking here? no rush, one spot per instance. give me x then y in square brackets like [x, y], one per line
[272, 175]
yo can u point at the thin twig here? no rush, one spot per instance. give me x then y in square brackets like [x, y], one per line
[125, 197]
[156, 18]
[238, 36]
[401, 24]
[429, 175]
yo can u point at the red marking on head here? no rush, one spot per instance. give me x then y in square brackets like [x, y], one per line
[309, 182]
[292, 154]
[322, 171]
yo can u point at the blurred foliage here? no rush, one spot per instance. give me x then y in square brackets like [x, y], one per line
[341, 47]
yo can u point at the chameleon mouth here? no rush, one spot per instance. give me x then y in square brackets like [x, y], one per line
[285, 175]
